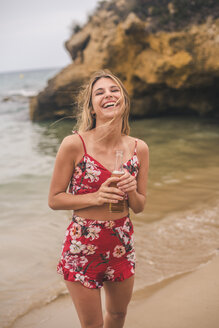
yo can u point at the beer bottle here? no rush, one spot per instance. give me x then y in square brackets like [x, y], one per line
[117, 172]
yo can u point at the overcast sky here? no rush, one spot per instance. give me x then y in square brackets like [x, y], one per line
[32, 33]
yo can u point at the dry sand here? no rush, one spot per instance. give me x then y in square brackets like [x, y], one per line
[188, 301]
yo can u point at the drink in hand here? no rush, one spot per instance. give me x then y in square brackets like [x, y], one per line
[117, 172]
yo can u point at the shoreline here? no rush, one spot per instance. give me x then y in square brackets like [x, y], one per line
[187, 300]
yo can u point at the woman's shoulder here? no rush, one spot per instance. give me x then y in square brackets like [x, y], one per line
[71, 143]
[141, 145]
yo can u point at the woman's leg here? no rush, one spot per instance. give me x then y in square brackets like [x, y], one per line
[87, 302]
[118, 296]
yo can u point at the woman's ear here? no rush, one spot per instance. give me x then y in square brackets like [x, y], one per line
[92, 111]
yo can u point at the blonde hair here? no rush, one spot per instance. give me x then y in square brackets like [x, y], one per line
[85, 119]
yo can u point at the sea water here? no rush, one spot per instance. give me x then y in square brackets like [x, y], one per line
[177, 232]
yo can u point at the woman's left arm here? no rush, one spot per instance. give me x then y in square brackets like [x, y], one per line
[136, 188]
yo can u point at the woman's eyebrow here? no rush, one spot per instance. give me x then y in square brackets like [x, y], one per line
[98, 89]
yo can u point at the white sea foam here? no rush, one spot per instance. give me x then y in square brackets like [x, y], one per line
[23, 92]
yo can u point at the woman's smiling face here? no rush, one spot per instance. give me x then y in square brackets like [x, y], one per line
[105, 94]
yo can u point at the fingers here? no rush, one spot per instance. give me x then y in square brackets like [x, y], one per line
[123, 182]
[110, 180]
[111, 198]
[107, 194]
[130, 187]
[112, 190]
[127, 182]
[104, 196]
[126, 179]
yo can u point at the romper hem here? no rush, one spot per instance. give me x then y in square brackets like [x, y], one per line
[66, 275]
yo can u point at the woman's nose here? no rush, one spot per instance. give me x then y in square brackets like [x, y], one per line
[108, 94]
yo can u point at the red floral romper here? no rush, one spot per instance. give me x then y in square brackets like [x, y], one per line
[95, 251]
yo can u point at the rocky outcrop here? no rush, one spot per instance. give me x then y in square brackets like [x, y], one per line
[164, 70]
[76, 45]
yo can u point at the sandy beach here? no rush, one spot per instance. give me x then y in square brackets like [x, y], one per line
[187, 301]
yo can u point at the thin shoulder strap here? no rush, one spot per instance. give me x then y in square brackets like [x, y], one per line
[135, 151]
[76, 132]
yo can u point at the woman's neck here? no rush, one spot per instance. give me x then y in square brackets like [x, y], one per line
[108, 136]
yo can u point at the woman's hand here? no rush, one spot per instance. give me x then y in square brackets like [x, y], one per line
[127, 182]
[107, 193]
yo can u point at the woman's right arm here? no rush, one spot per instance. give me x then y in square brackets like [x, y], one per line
[58, 198]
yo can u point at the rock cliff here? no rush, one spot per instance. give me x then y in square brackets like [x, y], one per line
[167, 57]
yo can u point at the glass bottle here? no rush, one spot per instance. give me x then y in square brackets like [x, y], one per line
[117, 172]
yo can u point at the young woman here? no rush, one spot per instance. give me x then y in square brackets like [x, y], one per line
[98, 248]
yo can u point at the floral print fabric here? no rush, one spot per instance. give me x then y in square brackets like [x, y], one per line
[89, 174]
[95, 251]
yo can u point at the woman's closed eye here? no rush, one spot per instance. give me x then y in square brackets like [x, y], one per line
[101, 92]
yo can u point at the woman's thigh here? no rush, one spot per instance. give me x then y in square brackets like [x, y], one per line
[118, 294]
[87, 302]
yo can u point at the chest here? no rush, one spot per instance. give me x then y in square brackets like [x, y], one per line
[89, 174]
[92, 171]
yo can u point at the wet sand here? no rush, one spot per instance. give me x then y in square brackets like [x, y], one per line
[189, 300]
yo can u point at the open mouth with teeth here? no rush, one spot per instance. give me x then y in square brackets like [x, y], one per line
[109, 104]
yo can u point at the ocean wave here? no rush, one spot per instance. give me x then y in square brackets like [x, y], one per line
[19, 94]
[149, 289]
[30, 304]
[23, 93]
